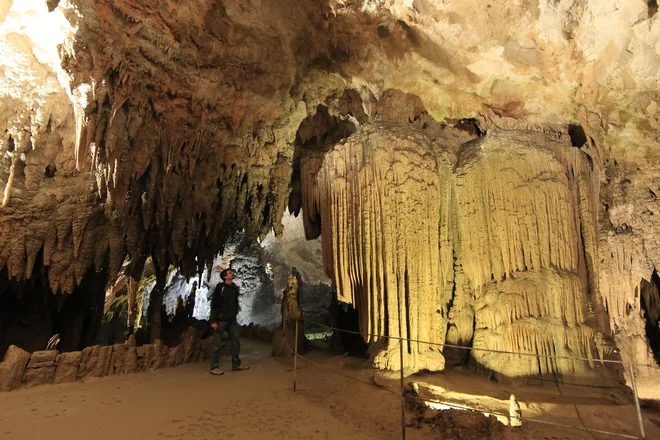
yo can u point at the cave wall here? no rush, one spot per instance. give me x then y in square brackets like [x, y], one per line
[132, 129]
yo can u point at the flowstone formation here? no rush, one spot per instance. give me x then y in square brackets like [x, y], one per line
[491, 248]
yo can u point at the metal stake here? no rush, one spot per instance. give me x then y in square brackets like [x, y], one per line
[639, 411]
[283, 336]
[403, 397]
[295, 357]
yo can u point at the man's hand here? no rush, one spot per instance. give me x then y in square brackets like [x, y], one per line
[214, 325]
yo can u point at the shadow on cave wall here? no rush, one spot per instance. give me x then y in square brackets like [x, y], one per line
[650, 302]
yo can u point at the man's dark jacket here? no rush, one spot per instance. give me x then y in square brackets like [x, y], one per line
[224, 303]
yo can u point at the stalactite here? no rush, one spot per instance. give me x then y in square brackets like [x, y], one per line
[156, 301]
[383, 195]
[526, 217]
[496, 251]
[310, 166]
[10, 182]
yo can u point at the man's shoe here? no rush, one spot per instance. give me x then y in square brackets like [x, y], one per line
[217, 372]
[240, 368]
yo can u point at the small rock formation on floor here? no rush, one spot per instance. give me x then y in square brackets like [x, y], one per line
[284, 338]
[13, 368]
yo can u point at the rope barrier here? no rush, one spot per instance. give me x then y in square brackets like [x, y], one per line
[486, 349]
[455, 406]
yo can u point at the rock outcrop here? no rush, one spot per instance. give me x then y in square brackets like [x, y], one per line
[20, 368]
[494, 248]
[131, 129]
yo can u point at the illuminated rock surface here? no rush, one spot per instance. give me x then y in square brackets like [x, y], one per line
[132, 129]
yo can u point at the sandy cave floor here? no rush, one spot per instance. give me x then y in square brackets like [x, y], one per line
[186, 402]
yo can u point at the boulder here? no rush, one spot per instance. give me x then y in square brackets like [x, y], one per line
[45, 358]
[67, 367]
[13, 368]
[95, 361]
[174, 357]
[130, 363]
[161, 354]
[148, 357]
[117, 359]
[39, 376]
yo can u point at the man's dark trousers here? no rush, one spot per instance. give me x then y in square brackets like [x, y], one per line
[232, 329]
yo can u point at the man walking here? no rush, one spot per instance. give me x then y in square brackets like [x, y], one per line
[224, 309]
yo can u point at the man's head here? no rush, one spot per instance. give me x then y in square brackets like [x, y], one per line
[227, 275]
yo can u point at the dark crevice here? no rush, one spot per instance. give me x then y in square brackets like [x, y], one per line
[471, 126]
[577, 135]
[30, 313]
[317, 134]
[49, 173]
[650, 303]
[652, 6]
[406, 304]
[383, 31]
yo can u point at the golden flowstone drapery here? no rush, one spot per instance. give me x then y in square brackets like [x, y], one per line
[490, 248]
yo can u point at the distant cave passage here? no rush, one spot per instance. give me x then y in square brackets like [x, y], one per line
[650, 302]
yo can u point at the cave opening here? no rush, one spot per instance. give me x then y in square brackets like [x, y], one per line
[577, 135]
[30, 314]
[650, 303]
[261, 270]
[49, 172]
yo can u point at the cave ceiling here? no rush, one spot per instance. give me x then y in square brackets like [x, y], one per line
[131, 128]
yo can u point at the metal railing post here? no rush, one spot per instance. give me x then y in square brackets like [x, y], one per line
[403, 396]
[639, 411]
[283, 337]
[295, 357]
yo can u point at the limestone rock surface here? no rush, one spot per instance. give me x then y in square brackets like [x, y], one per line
[132, 128]
[67, 367]
[13, 368]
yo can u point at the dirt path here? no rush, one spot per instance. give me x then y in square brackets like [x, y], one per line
[188, 403]
[184, 402]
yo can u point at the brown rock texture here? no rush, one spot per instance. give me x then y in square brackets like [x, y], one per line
[45, 358]
[41, 368]
[95, 361]
[67, 367]
[132, 128]
[13, 368]
[39, 376]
